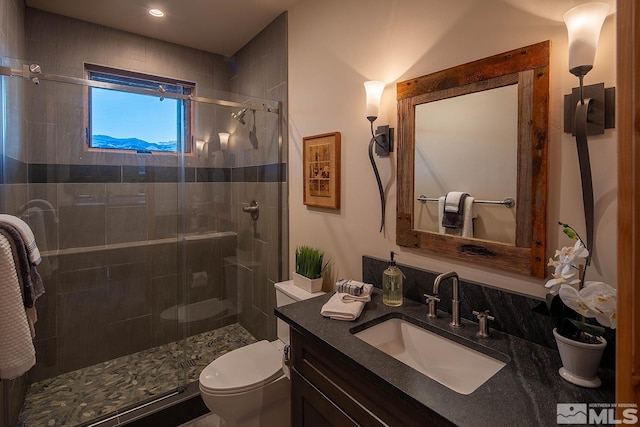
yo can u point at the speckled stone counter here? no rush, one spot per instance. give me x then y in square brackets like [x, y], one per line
[523, 393]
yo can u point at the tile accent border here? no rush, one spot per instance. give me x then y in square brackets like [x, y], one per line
[17, 172]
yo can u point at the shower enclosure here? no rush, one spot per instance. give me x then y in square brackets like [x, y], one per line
[153, 263]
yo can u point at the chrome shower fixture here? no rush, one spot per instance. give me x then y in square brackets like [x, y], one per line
[239, 116]
[35, 69]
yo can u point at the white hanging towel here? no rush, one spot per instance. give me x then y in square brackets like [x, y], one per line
[469, 213]
[17, 354]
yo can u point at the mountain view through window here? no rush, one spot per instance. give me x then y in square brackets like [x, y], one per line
[124, 120]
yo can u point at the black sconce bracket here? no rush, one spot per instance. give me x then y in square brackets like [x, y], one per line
[601, 114]
[384, 140]
[588, 112]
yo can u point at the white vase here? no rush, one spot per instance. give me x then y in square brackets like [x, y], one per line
[309, 285]
[580, 361]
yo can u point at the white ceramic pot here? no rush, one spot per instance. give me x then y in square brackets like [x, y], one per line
[309, 285]
[580, 361]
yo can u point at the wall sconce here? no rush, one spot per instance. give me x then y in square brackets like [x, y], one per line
[591, 109]
[201, 148]
[224, 141]
[381, 139]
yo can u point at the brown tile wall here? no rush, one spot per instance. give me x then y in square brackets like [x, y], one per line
[262, 72]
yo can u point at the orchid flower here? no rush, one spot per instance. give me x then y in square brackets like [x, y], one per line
[596, 299]
[566, 255]
[561, 276]
[572, 299]
[601, 299]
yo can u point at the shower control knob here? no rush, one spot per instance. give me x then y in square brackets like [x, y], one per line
[253, 209]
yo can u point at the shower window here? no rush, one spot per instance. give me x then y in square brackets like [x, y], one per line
[137, 122]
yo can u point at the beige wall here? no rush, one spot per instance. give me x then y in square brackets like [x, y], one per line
[335, 46]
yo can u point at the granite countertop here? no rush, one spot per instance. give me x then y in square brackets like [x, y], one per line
[524, 393]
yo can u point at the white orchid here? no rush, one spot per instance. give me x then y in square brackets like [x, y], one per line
[601, 300]
[565, 269]
[588, 299]
[572, 299]
[595, 299]
[566, 255]
[562, 275]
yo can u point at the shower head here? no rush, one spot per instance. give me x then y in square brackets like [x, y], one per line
[239, 116]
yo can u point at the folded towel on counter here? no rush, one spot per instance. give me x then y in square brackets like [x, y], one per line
[27, 236]
[17, 354]
[342, 306]
[349, 286]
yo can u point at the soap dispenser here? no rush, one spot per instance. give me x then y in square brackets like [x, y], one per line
[392, 284]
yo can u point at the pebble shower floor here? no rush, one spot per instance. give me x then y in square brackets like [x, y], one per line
[78, 397]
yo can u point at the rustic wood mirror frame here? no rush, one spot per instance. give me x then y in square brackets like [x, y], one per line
[529, 68]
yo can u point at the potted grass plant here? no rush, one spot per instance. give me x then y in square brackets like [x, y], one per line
[309, 268]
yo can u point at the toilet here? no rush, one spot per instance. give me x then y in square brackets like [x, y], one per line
[248, 387]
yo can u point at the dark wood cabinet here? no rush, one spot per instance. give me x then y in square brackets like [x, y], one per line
[329, 389]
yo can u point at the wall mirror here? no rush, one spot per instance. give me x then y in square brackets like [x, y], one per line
[479, 128]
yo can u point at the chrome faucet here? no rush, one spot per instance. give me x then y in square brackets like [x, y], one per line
[455, 302]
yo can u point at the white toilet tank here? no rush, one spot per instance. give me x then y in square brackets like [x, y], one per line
[287, 293]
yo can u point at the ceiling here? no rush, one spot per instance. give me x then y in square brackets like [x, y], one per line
[218, 26]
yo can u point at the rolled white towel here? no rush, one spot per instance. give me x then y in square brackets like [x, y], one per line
[349, 286]
[365, 295]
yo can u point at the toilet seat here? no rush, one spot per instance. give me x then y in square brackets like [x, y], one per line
[243, 369]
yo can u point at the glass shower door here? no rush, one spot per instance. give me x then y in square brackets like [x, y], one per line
[108, 231]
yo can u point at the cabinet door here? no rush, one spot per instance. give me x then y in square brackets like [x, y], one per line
[330, 390]
[311, 408]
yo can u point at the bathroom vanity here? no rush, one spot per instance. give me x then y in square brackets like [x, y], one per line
[339, 379]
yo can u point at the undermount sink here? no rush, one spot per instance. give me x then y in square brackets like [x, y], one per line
[453, 365]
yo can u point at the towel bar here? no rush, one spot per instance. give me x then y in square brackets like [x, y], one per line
[508, 202]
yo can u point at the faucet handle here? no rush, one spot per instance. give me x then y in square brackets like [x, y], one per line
[432, 301]
[483, 327]
[481, 314]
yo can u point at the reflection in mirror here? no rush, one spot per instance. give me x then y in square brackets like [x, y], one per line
[477, 132]
[479, 129]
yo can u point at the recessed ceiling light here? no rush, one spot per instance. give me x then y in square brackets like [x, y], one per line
[156, 12]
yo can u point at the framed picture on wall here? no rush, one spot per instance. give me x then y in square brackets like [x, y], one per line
[321, 170]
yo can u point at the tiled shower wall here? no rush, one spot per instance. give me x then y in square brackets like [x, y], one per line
[259, 69]
[101, 303]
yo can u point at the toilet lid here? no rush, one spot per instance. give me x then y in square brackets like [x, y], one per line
[242, 369]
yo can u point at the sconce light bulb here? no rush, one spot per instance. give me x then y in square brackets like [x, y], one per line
[201, 148]
[374, 91]
[584, 23]
[224, 140]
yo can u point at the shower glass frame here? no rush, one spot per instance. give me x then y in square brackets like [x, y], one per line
[41, 179]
